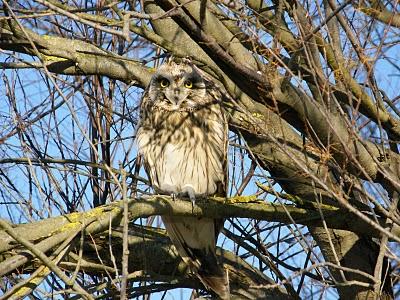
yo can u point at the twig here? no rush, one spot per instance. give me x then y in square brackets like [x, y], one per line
[125, 245]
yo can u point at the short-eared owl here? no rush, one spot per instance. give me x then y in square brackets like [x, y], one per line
[182, 136]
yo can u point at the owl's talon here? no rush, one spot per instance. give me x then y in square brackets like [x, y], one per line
[192, 197]
[193, 200]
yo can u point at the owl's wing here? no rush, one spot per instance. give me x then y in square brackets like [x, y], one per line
[144, 124]
[224, 189]
[218, 94]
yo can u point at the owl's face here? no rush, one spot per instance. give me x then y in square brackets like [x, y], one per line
[177, 86]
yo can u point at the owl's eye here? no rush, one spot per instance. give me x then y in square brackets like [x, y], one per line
[188, 84]
[164, 82]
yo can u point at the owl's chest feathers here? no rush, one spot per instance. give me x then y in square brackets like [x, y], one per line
[184, 150]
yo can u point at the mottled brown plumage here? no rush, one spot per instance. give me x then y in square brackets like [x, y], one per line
[182, 136]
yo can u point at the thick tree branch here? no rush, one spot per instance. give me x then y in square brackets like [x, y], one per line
[73, 57]
[97, 219]
[377, 9]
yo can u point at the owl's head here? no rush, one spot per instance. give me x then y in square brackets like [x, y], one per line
[177, 86]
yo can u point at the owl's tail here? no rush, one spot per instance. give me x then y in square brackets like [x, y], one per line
[212, 275]
[195, 240]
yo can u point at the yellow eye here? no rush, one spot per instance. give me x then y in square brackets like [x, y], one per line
[164, 82]
[188, 84]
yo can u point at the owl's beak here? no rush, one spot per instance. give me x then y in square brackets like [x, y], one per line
[176, 99]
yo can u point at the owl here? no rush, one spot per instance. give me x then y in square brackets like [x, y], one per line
[182, 136]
